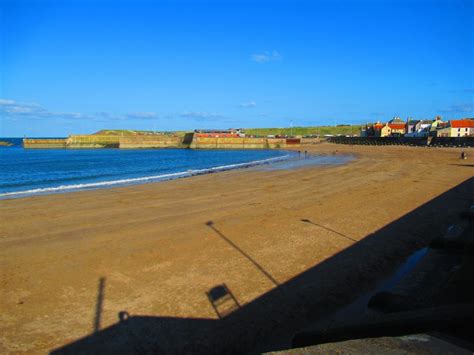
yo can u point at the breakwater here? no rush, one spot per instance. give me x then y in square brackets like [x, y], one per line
[241, 143]
[165, 141]
[92, 141]
[41, 143]
[411, 141]
[189, 140]
[74, 142]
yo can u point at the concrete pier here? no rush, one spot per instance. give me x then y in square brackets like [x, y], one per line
[189, 140]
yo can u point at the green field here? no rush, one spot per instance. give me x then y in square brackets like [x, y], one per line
[304, 131]
[132, 132]
[294, 131]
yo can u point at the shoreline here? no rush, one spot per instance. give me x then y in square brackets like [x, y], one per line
[291, 159]
[153, 244]
[139, 180]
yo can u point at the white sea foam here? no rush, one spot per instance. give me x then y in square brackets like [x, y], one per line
[92, 185]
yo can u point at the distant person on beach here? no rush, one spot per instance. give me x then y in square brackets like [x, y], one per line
[299, 153]
[463, 155]
[305, 153]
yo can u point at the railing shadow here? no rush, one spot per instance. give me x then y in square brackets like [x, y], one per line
[222, 300]
[282, 311]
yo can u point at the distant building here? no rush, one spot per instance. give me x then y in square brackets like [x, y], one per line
[419, 128]
[393, 128]
[444, 132]
[458, 128]
[411, 125]
[423, 124]
[377, 129]
[436, 125]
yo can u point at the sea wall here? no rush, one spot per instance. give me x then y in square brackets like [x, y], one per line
[189, 140]
[44, 143]
[240, 143]
[413, 141]
[143, 142]
[93, 141]
[452, 142]
[307, 141]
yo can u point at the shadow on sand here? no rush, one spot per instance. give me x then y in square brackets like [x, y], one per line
[211, 225]
[465, 165]
[269, 321]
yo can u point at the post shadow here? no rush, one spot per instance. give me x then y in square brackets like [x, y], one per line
[99, 304]
[465, 165]
[210, 224]
[328, 229]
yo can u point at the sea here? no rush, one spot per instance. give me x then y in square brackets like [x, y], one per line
[26, 172]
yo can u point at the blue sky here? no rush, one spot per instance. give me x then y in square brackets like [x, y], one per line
[80, 66]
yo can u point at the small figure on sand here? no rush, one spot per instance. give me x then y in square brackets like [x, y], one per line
[305, 153]
[463, 155]
[299, 153]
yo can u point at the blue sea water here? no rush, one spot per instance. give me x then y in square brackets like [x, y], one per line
[25, 172]
[37, 171]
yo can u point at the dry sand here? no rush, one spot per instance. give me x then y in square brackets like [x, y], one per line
[158, 258]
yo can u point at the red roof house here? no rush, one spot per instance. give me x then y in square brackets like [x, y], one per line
[464, 123]
[397, 125]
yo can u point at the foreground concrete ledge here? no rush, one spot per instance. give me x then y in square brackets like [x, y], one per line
[393, 324]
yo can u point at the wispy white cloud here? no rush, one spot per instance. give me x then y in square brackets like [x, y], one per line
[464, 91]
[7, 102]
[14, 110]
[459, 108]
[11, 109]
[250, 104]
[28, 110]
[266, 57]
[201, 115]
[143, 115]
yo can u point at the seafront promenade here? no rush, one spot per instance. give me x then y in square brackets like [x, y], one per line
[163, 255]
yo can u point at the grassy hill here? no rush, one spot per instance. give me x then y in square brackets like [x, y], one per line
[130, 132]
[297, 131]
[303, 131]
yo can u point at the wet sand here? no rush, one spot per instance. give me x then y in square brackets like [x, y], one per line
[157, 254]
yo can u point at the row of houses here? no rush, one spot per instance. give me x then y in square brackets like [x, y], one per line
[420, 128]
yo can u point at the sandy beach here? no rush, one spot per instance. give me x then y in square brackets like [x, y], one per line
[70, 263]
